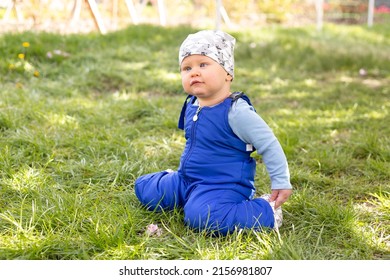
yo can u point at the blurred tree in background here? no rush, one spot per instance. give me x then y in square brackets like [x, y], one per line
[44, 14]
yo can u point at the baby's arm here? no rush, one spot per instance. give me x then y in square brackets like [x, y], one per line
[252, 129]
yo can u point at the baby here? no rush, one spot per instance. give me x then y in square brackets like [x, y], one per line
[214, 183]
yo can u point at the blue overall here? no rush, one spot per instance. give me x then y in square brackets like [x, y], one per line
[215, 180]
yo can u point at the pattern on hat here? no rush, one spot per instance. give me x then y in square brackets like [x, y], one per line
[217, 45]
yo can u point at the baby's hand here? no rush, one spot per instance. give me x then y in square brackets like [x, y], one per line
[280, 196]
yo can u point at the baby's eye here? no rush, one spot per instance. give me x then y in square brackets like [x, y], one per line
[186, 69]
[203, 64]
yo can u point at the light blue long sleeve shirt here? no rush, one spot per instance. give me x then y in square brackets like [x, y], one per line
[252, 129]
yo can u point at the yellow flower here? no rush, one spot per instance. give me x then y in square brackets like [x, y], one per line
[36, 73]
[26, 44]
[21, 55]
[11, 66]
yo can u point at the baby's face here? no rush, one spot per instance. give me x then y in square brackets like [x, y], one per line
[204, 77]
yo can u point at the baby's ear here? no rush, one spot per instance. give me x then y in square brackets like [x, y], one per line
[229, 78]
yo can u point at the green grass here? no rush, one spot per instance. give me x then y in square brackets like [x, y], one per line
[74, 137]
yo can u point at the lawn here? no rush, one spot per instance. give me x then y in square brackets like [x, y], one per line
[82, 116]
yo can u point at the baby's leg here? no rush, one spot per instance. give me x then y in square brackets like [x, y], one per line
[224, 208]
[160, 190]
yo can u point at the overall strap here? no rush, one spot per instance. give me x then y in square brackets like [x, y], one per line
[239, 94]
[236, 95]
[183, 112]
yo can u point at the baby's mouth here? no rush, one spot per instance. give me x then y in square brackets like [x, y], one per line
[194, 82]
